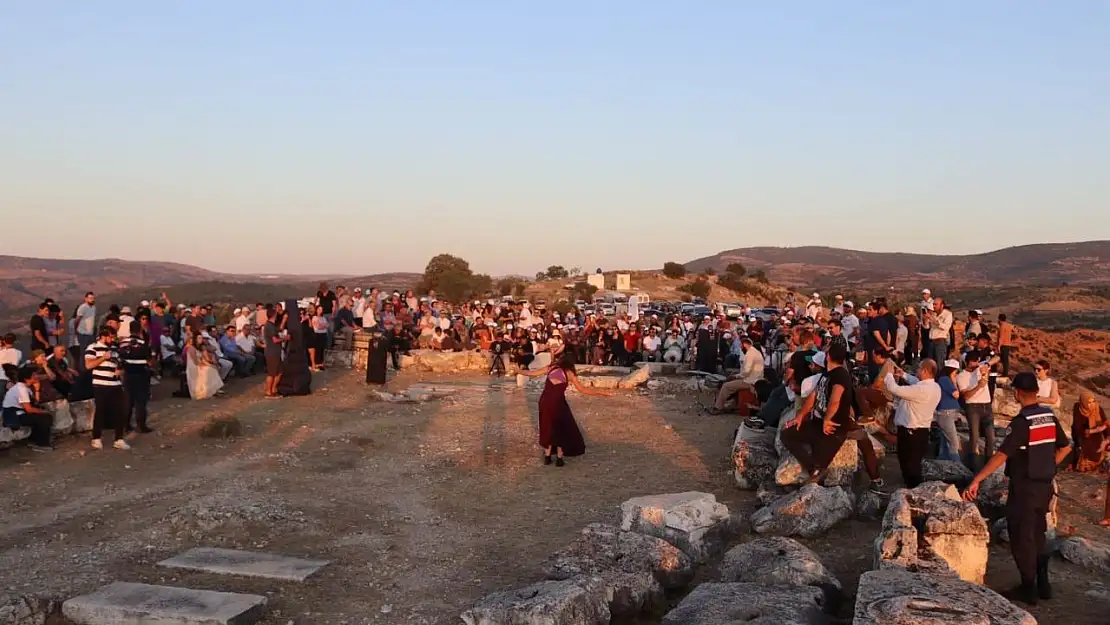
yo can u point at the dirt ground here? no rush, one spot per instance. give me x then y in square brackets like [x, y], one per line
[421, 509]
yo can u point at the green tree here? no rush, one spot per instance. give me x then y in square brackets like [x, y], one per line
[453, 280]
[505, 286]
[518, 290]
[759, 276]
[540, 276]
[698, 288]
[584, 290]
[736, 269]
[674, 270]
[557, 272]
[709, 271]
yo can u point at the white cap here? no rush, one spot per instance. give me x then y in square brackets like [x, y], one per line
[839, 296]
[926, 291]
[817, 295]
[952, 364]
[144, 303]
[819, 359]
[236, 311]
[849, 304]
[126, 310]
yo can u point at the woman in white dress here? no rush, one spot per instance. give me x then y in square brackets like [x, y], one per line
[1048, 392]
[202, 370]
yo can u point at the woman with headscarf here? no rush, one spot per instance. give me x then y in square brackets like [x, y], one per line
[707, 350]
[559, 433]
[296, 377]
[1088, 434]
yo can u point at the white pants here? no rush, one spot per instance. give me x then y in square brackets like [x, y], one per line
[225, 368]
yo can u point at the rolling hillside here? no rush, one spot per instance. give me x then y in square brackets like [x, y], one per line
[1046, 264]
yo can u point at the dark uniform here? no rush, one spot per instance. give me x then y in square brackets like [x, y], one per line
[1030, 450]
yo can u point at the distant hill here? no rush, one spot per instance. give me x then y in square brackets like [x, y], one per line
[1043, 264]
[26, 281]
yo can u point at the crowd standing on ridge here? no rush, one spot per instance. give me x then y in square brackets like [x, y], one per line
[834, 367]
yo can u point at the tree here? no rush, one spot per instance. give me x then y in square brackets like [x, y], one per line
[540, 276]
[698, 288]
[674, 270]
[556, 272]
[736, 269]
[518, 290]
[709, 271]
[505, 286]
[574, 271]
[584, 291]
[759, 276]
[452, 279]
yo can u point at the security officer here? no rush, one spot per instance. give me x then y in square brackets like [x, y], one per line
[1035, 445]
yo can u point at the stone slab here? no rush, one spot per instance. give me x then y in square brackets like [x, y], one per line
[245, 563]
[124, 603]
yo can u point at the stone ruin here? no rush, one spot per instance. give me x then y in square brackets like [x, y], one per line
[930, 529]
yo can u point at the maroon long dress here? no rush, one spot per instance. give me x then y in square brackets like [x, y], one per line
[557, 425]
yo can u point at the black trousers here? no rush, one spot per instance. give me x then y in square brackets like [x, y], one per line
[136, 383]
[110, 410]
[1026, 523]
[1004, 358]
[40, 424]
[813, 449]
[913, 444]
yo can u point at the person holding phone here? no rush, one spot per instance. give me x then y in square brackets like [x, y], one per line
[972, 384]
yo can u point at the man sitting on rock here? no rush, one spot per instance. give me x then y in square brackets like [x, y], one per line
[751, 371]
[824, 422]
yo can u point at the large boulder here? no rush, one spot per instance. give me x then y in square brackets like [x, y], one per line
[808, 512]
[599, 381]
[9, 436]
[638, 377]
[899, 597]
[841, 471]
[63, 420]
[727, 604]
[948, 471]
[694, 522]
[931, 529]
[82, 412]
[754, 459]
[577, 601]
[636, 568]
[777, 560]
[1086, 553]
[1005, 404]
[449, 362]
[29, 610]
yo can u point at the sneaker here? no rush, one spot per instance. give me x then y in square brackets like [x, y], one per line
[877, 487]
[41, 449]
[155, 381]
[97, 444]
[755, 423]
[121, 444]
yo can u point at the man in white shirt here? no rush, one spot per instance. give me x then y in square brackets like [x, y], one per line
[86, 321]
[939, 322]
[652, 345]
[242, 320]
[168, 348]
[913, 415]
[972, 383]
[838, 307]
[751, 371]
[368, 320]
[214, 346]
[19, 410]
[813, 306]
[673, 347]
[849, 324]
[125, 319]
[9, 355]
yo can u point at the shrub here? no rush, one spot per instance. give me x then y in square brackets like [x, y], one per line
[674, 270]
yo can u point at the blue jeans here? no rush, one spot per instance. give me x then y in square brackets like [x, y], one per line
[939, 351]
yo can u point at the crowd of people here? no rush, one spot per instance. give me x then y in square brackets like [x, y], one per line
[823, 372]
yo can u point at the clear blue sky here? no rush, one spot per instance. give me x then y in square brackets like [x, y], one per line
[367, 136]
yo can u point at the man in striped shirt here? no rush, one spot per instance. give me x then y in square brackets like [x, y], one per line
[102, 360]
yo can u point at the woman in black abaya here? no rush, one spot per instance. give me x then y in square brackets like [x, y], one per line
[296, 379]
[376, 359]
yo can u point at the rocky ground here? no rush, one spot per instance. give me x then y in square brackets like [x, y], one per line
[422, 508]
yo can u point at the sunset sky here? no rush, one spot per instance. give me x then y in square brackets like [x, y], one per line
[358, 137]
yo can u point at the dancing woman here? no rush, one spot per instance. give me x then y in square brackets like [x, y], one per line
[558, 429]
